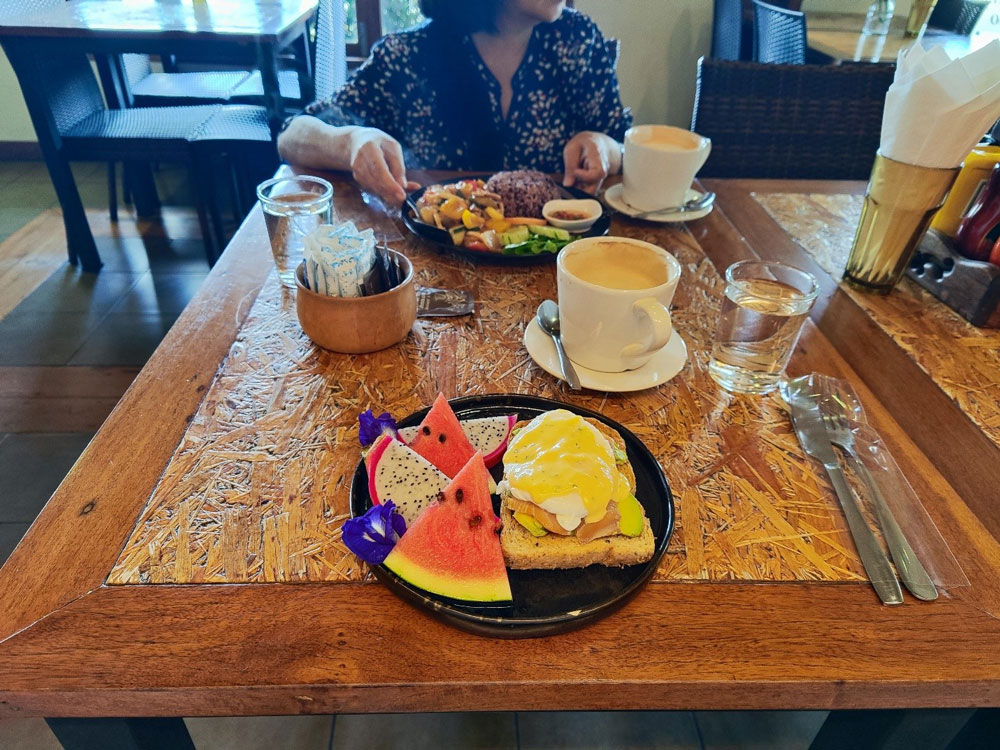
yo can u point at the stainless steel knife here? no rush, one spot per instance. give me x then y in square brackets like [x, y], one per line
[815, 441]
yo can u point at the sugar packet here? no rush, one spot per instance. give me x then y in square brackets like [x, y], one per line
[338, 259]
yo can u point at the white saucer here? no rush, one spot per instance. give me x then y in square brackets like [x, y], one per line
[662, 367]
[613, 197]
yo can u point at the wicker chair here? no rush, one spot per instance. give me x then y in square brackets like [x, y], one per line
[151, 89]
[330, 68]
[89, 131]
[779, 35]
[959, 16]
[727, 30]
[318, 55]
[968, 16]
[790, 121]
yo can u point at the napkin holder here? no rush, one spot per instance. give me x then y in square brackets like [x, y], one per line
[899, 204]
[969, 287]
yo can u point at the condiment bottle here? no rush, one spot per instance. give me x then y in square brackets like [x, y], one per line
[980, 229]
[969, 183]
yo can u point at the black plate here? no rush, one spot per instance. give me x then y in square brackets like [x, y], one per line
[545, 601]
[440, 240]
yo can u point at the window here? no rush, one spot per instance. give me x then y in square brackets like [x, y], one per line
[367, 20]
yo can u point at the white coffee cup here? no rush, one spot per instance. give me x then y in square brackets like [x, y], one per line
[660, 164]
[614, 301]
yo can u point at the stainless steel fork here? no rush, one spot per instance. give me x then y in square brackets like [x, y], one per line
[911, 571]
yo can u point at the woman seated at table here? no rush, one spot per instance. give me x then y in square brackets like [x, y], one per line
[484, 85]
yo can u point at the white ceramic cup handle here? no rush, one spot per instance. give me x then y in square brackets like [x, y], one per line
[662, 328]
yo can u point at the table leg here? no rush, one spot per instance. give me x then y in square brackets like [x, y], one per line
[267, 61]
[121, 734]
[928, 729]
[80, 243]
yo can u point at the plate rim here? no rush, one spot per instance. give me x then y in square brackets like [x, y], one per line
[511, 627]
[693, 216]
[413, 226]
[532, 325]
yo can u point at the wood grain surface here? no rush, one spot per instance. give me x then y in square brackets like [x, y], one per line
[259, 486]
[963, 451]
[963, 360]
[71, 645]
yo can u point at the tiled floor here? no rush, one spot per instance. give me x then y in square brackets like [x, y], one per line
[85, 323]
[99, 323]
[655, 730]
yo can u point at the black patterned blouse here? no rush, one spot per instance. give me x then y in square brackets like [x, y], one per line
[565, 84]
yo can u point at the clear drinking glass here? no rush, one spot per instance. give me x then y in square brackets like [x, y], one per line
[762, 315]
[293, 207]
[879, 17]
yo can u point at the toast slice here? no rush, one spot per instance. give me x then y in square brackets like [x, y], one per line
[524, 551]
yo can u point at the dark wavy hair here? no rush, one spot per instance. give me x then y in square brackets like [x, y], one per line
[463, 16]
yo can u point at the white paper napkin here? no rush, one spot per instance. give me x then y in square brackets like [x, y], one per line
[938, 108]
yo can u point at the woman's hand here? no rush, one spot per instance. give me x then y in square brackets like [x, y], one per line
[589, 158]
[376, 160]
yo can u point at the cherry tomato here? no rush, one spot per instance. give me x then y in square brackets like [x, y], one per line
[476, 245]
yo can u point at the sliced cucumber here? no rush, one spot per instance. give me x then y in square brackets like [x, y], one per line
[457, 234]
[515, 235]
[553, 233]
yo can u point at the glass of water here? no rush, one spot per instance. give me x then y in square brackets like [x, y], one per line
[762, 315]
[293, 207]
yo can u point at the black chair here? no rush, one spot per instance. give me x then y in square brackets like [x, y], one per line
[779, 35]
[968, 16]
[790, 121]
[727, 30]
[88, 131]
[313, 64]
[151, 89]
[959, 16]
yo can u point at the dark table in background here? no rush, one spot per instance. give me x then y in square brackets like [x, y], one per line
[249, 32]
[839, 36]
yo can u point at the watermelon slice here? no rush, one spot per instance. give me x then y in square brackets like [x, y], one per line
[453, 548]
[397, 473]
[488, 435]
[440, 439]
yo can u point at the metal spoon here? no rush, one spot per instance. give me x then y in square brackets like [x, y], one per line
[695, 204]
[548, 319]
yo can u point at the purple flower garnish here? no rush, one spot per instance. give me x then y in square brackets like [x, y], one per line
[373, 535]
[371, 428]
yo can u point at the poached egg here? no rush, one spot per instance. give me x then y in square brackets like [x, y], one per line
[563, 464]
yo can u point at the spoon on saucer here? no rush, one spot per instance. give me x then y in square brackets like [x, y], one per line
[548, 319]
[695, 204]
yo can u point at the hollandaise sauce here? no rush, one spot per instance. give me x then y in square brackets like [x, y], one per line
[566, 466]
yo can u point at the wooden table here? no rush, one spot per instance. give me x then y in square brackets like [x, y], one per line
[248, 33]
[190, 563]
[839, 36]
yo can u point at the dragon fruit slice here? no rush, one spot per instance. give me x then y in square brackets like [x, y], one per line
[488, 435]
[397, 473]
